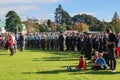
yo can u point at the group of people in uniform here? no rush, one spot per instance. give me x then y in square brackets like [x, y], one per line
[84, 43]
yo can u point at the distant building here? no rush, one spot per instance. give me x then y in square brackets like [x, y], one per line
[43, 21]
[24, 28]
[71, 31]
[2, 26]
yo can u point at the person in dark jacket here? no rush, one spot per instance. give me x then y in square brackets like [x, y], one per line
[61, 42]
[67, 41]
[88, 47]
[21, 41]
[111, 44]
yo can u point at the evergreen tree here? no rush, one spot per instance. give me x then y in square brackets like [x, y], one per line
[62, 16]
[116, 22]
[62, 27]
[13, 22]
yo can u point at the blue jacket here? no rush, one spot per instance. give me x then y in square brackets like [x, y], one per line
[101, 61]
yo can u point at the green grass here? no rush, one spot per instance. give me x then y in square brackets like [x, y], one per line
[40, 64]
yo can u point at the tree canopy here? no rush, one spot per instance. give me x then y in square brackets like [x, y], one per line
[13, 22]
[62, 16]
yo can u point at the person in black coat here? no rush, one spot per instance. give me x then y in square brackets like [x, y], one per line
[88, 47]
[111, 44]
[67, 41]
[21, 41]
[73, 41]
[61, 42]
[78, 42]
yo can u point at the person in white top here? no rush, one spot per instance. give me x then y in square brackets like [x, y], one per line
[14, 42]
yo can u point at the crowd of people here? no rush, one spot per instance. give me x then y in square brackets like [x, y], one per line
[12, 42]
[105, 56]
[85, 44]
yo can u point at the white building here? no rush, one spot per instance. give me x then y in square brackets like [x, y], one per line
[2, 26]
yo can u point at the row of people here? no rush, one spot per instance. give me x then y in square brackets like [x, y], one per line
[83, 43]
[11, 41]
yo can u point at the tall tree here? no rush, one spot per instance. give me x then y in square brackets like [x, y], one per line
[62, 27]
[49, 23]
[13, 22]
[89, 19]
[43, 28]
[102, 26]
[62, 16]
[116, 22]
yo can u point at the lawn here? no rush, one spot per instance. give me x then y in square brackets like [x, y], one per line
[37, 64]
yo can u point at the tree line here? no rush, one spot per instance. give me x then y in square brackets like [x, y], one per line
[63, 22]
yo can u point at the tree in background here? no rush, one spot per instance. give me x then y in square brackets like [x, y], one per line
[81, 27]
[43, 28]
[102, 26]
[13, 22]
[49, 23]
[62, 16]
[115, 23]
[37, 27]
[62, 27]
[91, 21]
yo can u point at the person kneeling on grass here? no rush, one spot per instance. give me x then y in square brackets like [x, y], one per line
[82, 65]
[100, 63]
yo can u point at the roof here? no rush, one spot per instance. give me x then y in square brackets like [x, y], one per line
[70, 31]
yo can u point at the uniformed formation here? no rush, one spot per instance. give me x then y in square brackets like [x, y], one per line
[83, 43]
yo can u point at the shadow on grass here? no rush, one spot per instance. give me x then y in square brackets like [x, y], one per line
[46, 72]
[87, 71]
[55, 59]
[3, 54]
[55, 52]
[105, 72]
[102, 72]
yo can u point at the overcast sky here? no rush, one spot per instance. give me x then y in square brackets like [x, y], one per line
[44, 9]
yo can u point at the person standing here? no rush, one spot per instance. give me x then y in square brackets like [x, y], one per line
[14, 42]
[10, 44]
[67, 41]
[61, 42]
[21, 42]
[88, 47]
[111, 49]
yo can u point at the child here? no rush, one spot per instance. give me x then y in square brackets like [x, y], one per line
[100, 63]
[81, 65]
[95, 57]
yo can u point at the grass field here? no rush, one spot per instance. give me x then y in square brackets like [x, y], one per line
[48, 65]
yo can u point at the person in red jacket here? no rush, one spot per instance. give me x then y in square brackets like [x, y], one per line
[10, 44]
[81, 65]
